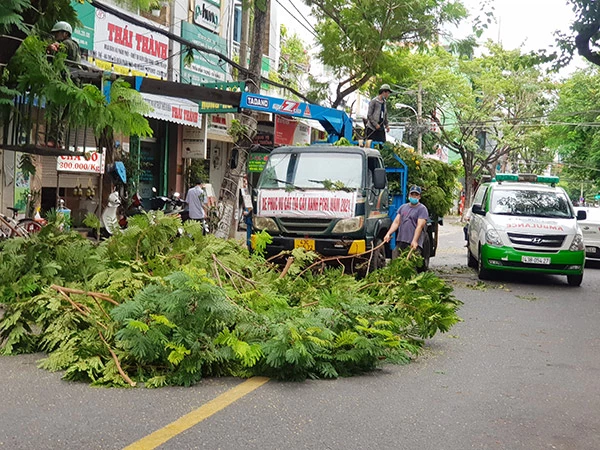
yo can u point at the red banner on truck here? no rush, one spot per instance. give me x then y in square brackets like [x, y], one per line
[317, 204]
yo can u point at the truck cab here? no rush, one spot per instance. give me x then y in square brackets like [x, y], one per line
[329, 199]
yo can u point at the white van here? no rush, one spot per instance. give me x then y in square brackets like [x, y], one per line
[518, 223]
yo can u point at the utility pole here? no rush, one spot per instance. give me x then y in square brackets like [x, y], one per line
[244, 44]
[420, 120]
[228, 196]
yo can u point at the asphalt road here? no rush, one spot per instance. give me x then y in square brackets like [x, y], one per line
[520, 372]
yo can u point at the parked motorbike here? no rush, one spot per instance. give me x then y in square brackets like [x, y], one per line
[169, 205]
[110, 218]
[134, 209]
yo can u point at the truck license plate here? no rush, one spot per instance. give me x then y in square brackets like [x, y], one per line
[590, 249]
[535, 260]
[306, 244]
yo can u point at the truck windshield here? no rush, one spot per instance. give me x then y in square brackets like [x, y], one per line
[309, 170]
[531, 203]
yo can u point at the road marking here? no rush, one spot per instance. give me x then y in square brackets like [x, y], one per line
[161, 436]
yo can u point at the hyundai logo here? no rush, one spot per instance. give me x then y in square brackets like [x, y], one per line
[536, 240]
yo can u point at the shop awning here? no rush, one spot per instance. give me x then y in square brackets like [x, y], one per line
[171, 109]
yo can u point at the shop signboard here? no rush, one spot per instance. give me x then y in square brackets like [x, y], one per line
[257, 161]
[84, 35]
[290, 131]
[204, 68]
[125, 48]
[171, 109]
[207, 14]
[219, 124]
[93, 162]
[194, 142]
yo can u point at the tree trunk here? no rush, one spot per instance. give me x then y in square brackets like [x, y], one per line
[229, 194]
[469, 191]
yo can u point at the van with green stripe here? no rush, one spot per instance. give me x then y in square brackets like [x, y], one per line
[525, 223]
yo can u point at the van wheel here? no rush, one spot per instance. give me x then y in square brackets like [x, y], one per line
[378, 259]
[471, 261]
[575, 280]
[482, 272]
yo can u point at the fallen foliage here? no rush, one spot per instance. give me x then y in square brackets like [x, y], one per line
[149, 306]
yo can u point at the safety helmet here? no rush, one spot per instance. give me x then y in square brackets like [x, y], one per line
[62, 26]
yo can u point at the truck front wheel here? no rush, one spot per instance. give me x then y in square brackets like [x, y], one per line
[378, 258]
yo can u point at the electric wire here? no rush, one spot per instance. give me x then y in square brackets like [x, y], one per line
[302, 24]
[301, 15]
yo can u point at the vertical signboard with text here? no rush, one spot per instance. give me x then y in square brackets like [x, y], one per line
[204, 68]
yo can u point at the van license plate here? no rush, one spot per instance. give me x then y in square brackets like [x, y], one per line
[306, 244]
[590, 249]
[535, 260]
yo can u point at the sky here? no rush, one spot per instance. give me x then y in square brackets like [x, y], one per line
[526, 23]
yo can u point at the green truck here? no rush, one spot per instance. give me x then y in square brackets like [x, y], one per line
[333, 200]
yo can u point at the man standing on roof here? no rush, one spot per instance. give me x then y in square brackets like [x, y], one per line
[377, 116]
[410, 221]
[62, 32]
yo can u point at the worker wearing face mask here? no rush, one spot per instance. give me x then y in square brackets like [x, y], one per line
[410, 221]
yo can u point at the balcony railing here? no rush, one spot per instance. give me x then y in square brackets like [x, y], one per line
[35, 126]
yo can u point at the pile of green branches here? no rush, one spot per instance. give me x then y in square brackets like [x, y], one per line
[150, 306]
[439, 180]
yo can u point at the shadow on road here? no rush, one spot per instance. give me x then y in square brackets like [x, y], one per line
[592, 264]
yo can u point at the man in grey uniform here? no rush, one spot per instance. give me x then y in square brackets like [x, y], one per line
[410, 222]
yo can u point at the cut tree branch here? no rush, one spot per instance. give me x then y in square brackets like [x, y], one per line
[128, 380]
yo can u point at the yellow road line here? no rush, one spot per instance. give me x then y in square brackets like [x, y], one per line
[161, 436]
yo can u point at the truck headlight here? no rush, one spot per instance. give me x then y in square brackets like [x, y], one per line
[348, 225]
[577, 244]
[264, 223]
[493, 238]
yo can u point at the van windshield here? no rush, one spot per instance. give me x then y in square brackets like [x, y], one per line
[311, 170]
[531, 203]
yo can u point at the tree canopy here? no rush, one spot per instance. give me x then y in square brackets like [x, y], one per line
[487, 109]
[357, 37]
[574, 130]
[584, 35]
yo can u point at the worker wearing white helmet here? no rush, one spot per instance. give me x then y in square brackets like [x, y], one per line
[377, 116]
[62, 32]
[56, 129]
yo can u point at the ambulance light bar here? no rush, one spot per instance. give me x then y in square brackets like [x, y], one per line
[527, 177]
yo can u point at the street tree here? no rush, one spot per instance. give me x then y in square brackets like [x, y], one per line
[574, 132]
[294, 60]
[487, 109]
[356, 37]
[244, 130]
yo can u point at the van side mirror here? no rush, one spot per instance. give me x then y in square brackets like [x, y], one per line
[379, 178]
[581, 215]
[478, 209]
